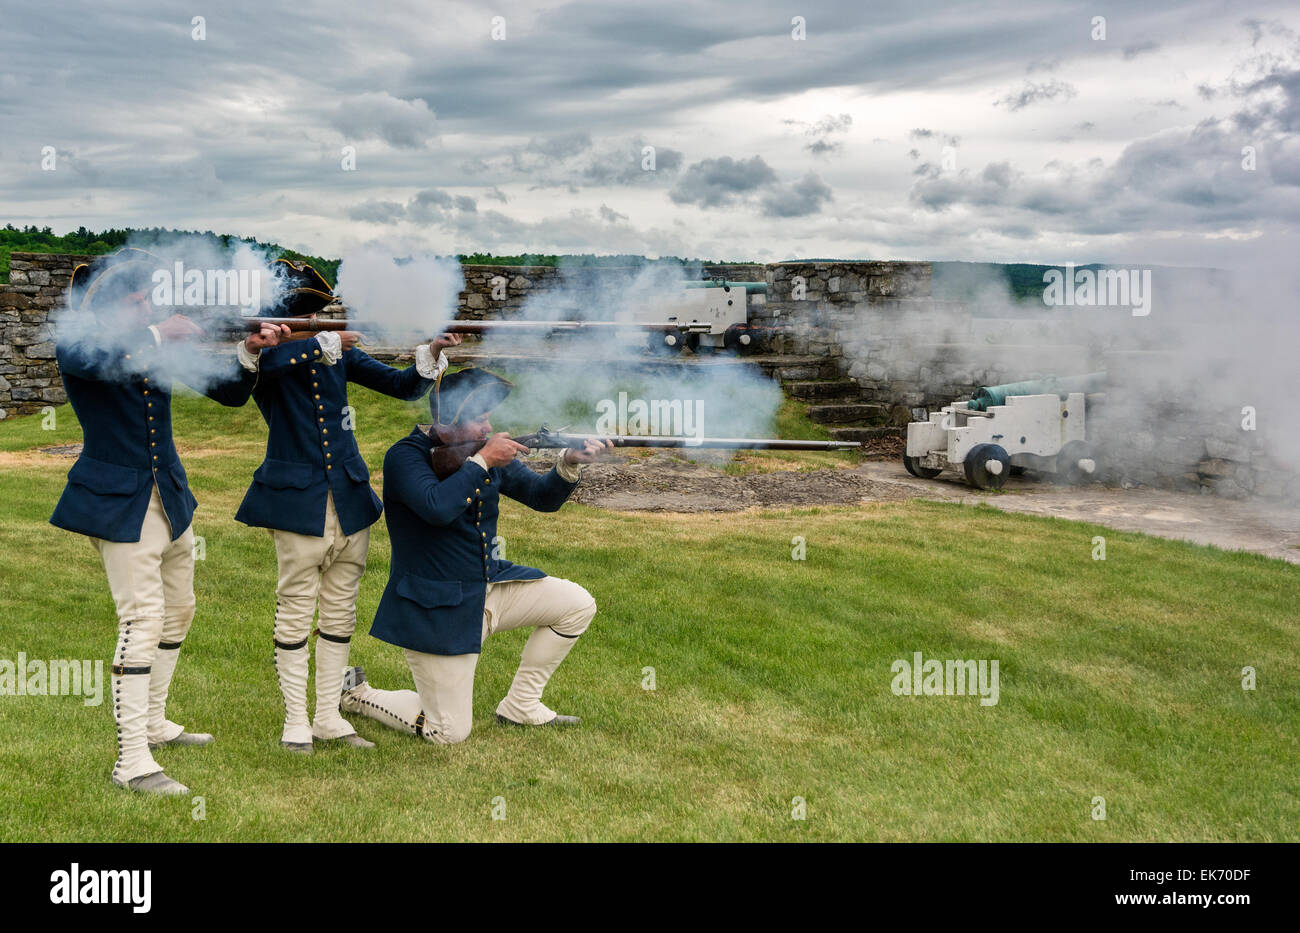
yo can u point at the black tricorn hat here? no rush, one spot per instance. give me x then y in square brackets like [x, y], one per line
[466, 395]
[305, 290]
[111, 278]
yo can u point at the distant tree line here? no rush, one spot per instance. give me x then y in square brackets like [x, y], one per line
[32, 239]
[953, 281]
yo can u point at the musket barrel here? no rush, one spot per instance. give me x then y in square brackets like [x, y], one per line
[712, 443]
[473, 327]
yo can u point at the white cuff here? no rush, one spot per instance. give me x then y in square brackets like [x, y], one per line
[478, 458]
[157, 335]
[331, 346]
[247, 358]
[569, 472]
[426, 365]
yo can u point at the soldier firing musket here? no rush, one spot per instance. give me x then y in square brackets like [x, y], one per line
[313, 493]
[119, 355]
[449, 588]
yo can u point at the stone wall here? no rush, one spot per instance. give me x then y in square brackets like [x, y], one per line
[29, 377]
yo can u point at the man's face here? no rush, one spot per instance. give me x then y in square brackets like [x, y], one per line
[136, 307]
[475, 430]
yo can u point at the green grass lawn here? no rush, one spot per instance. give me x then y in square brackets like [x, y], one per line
[1118, 678]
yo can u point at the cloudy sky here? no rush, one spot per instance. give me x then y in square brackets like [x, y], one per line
[971, 130]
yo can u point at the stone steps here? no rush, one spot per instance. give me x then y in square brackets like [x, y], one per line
[846, 412]
[822, 388]
[801, 371]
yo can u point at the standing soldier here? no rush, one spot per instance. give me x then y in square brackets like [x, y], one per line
[128, 491]
[313, 493]
[448, 589]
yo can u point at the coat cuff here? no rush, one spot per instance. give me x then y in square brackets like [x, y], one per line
[478, 458]
[569, 472]
[426, 365]
[247, 358]
[331, 346]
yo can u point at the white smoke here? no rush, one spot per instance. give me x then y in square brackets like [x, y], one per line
[397, 297]
[570, 378]
[193, 276]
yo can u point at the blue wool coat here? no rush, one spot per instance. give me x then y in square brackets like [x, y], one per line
[442, 538]
[126, 422]
[309, 451]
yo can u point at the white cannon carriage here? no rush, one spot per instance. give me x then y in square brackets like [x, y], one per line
[1045, 433]
[710, 313]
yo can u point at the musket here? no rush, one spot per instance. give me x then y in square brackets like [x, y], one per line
[304, 326]
[448, 458]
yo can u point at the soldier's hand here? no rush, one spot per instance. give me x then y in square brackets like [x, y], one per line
[350, 338]
[591, 450]
[269, 336]
[500, 450]
[443, 342]
[178, 327]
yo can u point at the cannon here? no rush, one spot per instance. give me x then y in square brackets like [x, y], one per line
[1039, 425]
[713, 313]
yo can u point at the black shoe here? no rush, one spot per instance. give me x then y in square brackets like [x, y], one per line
[557, 721]
[156, 783]
[351, 739]
[186, 738]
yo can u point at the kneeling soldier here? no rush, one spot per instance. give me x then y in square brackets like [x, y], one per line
[314, 495]
[128, 491]
[447, 590]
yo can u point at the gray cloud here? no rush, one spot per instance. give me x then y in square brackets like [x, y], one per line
[609, 215]
[1172, 181]
[1033, 93]
[1134, 49]
[945, 139]
[243, 132]
[377, 212]
[803, 197]
[819, 133]
[721, 182]
[407, 124]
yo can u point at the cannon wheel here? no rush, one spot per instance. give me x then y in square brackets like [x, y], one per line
[667, 343]
[1068, 470]
[977, 471]
[913, 465]
[733, 338]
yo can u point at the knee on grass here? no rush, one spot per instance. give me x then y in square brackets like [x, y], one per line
[577, 616]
